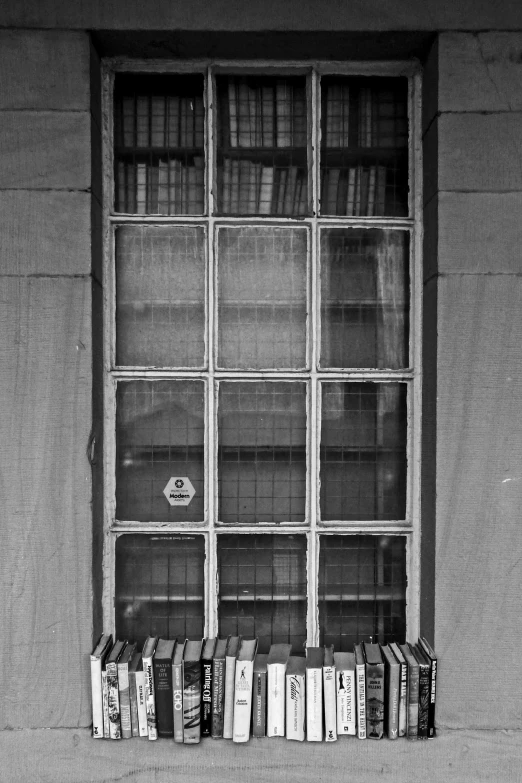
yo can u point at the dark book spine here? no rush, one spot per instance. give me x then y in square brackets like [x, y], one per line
[413, 702]
[163, 696]
[433, 687]
[191, 702]
[424, 700]
[218, 694]
[259, 704]
[206, 698]
[374, 700]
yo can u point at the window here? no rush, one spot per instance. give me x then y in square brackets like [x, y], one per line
[262, 352]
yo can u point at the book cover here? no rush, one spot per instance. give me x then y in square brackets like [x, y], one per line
[98, 656]
[218, 687]
[374, 691]
[113, 696]
[259, 695]
[330, 695]
[142, 703]
[230, 678]
[345, 692]
[163, 687]
[206, 686]
[177, 691]
[430, 653]
[424, 689]
[295, 698]
[243, 690]
[192, 692]
[403, 689]
[360, 670]
[134, 665]
[148, 656]
[413, 692]
[392, 685]
[276, 668]
[314, 694]
[124, 691]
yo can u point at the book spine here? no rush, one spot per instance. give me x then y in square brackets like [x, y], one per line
[392, 703]
[314, 705]
[228, 707]
[105, 704]
[164, 698]
[346, 723]
[242, 701]
[150, 702]
[374, 700]
[330, 703]
[177, 700]
[113, 701]
[135, 732]
[275, 720]
[142, 706]
[259, 704]
[206, 699]
[424, 700]
[295, 707]
[413, 702]
[97, 699]
[218, 693]
[403, 700]
[361, 701]
[433, 691]
[124, 696]
[191, 702]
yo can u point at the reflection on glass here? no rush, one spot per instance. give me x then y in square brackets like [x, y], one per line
[262, 452]
[160, 296]
[159, 436]
[363, 451]
[364, 298]
[262, 588]
[262, 298]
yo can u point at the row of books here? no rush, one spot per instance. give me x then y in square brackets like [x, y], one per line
[160, 121]
[222, 688]
[171, 187]
[253, 189]
[357, 190]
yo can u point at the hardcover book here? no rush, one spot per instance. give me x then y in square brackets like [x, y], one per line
[98, 656]
[243, 690]
[230, 678]
[124, 691]
[163, 687]
[424, 689]
[413, 692]
[345, 692]
[392, 684]
[177, 691]
[112, 689]
[314, 694]
[259, 695]
[150, 703]
[206, 686]
[142, 704]
[360, 668]
[218, 687]
[295, 698]
[374, 691]
[430, 653]
[192, 692]
[403, 689]
[276, 668]
[134, 665]
[330, 695]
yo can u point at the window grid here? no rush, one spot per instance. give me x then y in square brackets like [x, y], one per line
[117, 375]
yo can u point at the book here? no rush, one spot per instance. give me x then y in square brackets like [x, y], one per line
[314, 694]
[123, 690]
[428, 650]
[350, 193]
[403, 689]
[192, 692]
[163, 687]
[230, 678]
[259, 695]
[206, 686]
[218, 687]
[392, 685]
[112, 689]
[424, 689]
[329, 695]
[163, 187]
[134, 664]
[177, 691]
[243, 690]
[98, 656]
[380, 191]
[142, 704]
[244, 138]
[412, 732]
[148, 655]
[275, 689]
[295, 698]
[360, 669]
[105, 700]
[374, 691]
[345, 692]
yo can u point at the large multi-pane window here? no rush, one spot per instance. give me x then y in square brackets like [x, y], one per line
[262, 388]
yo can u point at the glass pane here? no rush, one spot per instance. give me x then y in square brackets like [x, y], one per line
[364, 298]
[262, 297]
[262, 452]
[159, 587]
[160, 296]
[159, 154]
[262, 145]
[362, 590]
[363, 451]
[262, 588]
[364, 146]
[159, 435]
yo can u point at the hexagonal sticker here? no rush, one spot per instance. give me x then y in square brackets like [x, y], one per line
[179, 491]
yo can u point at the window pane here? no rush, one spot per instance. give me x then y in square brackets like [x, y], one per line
[364, 298]
[362, 590]
[262, 145]
[363, 451]
[262, 588]
[160, 296]
[159, 130]
[159, 435]
[159, 587]
[262, 452]
[262, 297]
[364, 146]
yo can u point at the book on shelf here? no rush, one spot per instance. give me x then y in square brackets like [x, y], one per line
[374, 691]
[295, 698]
[113, 695]
[314, 693]
[259, 695]
[147, 655]
[424, 689]
[192, 692]
[392, 685]
[141, 699]
[105, 699]
[430, 653]
[243, 690]
[135, 664]
[413, 692]
[124, 690]
[345, 692]
[97, 659]
[329, 695]
[218, 687]
[360, 669]
[206, 686]
[163, 687]
[230, 678]
[177, 691]
[403, 689]
[275, 689]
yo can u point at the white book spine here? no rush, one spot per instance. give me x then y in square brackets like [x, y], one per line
[142, 707]
[275, 697]
[105, 704]
[242, 701]
[295, 707]
[346, 723]
[228, 712]
[97, 698]
[361, 701]
[150, 701]
[330, 703]
[314, 705]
